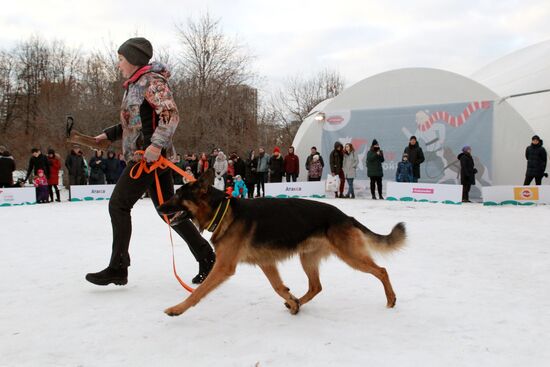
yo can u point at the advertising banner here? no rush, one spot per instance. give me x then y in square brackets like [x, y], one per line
[516, 195]
[17, 196]
[441, 132]
[434, 193]
[91, 192]
[295, 189]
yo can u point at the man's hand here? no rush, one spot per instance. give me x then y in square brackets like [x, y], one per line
[100, 137]
[152, 154]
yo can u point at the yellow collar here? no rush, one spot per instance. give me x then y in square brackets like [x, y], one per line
[218, 216]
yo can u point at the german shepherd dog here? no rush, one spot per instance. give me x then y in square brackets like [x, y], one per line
[266, 231]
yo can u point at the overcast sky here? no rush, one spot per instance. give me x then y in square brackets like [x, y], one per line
[358, 38]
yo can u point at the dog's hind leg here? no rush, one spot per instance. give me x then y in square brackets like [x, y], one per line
[310, 262]
[272, 274]
[352, 250]
[224, 267]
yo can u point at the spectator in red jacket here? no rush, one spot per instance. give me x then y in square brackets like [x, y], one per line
[53, 180]
[292, 165]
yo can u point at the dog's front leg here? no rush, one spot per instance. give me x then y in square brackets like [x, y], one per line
[272, 274]
[222, 270]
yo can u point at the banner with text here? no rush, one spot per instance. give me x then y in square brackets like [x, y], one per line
[17, 196]
[516, 195]
[91, 192]
[295, 189]
[435, 193]
[441, 130]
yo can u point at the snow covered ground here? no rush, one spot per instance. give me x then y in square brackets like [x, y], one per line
[472, 285]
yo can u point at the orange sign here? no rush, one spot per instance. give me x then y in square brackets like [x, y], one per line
[526, 193]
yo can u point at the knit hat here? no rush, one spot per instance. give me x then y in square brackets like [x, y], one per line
[40, 171]
[138, 51]
[374, 142]
[535, 137]
[466, 148]
[51, 151]
[276, 150]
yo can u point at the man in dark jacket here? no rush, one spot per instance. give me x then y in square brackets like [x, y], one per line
[375, 171]
[536, 161]
[36, 162]
[416, 156]
[276, 166]
[467, 172]
[7, 166]
[292, 165]
[75, 166]
[111, 168]
[336, 165]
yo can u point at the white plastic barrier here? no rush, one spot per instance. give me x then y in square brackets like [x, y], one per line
[516, 195]
[307, 189]
[17, 196]
[434, 193]
[91, 192]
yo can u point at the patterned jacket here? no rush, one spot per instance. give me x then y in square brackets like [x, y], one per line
[148, 114]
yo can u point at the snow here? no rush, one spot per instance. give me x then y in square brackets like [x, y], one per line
[472, 289]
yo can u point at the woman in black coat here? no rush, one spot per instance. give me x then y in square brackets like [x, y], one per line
[536, 161]
[467, 172]
[97, 169]
[250, 173]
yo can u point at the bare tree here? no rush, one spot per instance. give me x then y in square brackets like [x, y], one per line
[212, 91]
[9, 90]
[288, 107]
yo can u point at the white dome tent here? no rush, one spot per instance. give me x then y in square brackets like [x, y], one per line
[523, 71]
[444, 110]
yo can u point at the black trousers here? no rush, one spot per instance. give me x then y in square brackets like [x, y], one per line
[125, 194]
[50, 191]
[528, 179]
[261, 178]
[466, 191]
[376, 181]
[291, 177]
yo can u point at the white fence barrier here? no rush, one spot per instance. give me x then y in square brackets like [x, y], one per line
[434, 193]
[17, 196]
[516, 195]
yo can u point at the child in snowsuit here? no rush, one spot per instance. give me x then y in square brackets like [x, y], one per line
[239, 188]
[404, 170]
[41, 184]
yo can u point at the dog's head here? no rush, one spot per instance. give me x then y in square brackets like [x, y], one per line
[192, 200]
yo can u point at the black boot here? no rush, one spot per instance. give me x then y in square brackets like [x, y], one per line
[205, 266]
[109, 275]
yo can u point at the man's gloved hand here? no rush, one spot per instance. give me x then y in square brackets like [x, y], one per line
[152, 153]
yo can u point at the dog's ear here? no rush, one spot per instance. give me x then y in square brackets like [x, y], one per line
[206, 180]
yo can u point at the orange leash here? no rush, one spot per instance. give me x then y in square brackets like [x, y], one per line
[162, 163]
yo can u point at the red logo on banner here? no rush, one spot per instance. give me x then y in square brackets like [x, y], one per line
[335, 120]
[526, 194]
[419, 190]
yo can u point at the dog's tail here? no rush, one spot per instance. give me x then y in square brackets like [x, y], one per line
[384, 243]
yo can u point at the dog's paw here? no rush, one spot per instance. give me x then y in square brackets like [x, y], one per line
[173, 311]
[391, 302]
[293, 305]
